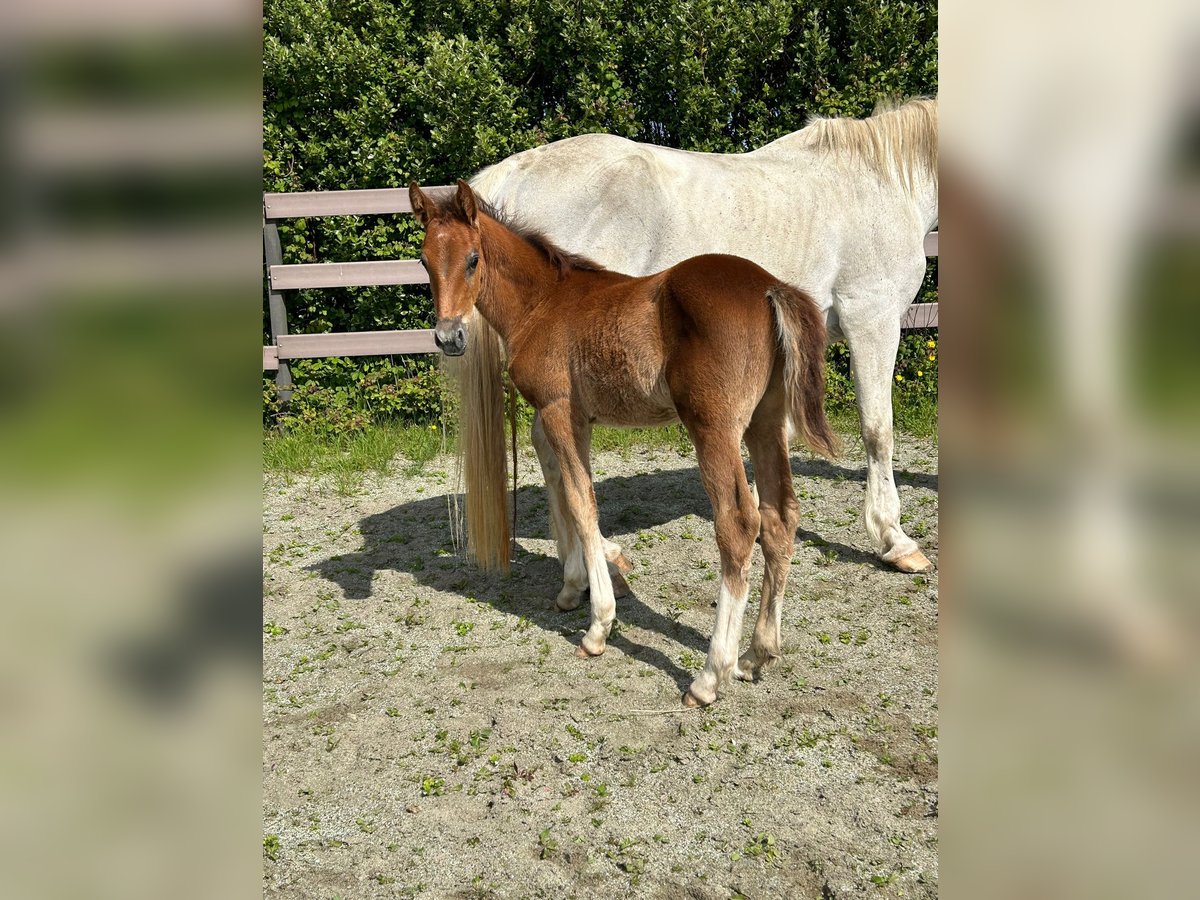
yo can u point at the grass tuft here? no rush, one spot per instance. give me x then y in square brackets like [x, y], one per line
[381, 448]
[347, 457]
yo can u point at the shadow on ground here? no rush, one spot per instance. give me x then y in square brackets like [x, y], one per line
[416, 538]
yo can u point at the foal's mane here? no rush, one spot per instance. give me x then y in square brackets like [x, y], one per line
[898, 140]
[563, 261]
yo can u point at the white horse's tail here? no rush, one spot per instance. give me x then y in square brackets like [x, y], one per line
[481, 445]
[801, 329]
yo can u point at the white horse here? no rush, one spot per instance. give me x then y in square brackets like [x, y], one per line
[840, 209]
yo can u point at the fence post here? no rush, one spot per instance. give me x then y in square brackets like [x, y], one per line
[273, 256]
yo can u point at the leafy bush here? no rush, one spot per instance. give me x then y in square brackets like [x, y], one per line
[372, 93]
[340, 396]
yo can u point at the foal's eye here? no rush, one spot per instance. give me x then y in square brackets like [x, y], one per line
[472, 261]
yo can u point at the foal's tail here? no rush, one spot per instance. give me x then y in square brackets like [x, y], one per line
[801, 330]
[481, 445]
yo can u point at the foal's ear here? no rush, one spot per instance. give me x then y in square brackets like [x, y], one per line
[465, 201]
[420, 202]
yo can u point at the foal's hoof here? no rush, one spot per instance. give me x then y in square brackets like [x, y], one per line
[567, 600]
[584, 653]
[750, 667]
[624, 566]
[914, 563]
[701, 692]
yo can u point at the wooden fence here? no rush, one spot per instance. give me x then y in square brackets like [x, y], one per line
[290, 277]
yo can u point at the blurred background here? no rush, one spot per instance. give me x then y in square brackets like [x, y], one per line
[131, 436]
[130, 284]
[1069, 414]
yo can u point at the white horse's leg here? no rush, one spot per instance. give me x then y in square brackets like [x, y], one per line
[873, 356]
[569, 551]
[617, 563]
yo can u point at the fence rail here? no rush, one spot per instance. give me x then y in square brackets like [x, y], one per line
[385, 201]
[354, 274]
[356, 343]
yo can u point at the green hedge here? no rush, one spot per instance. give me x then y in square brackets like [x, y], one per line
[366, 93]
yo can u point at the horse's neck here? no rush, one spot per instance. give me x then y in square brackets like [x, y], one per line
[518, 276]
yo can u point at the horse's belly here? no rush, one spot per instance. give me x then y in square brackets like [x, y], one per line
[632, 405]
[634, 417]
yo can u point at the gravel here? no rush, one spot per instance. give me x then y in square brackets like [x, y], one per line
[428, 731]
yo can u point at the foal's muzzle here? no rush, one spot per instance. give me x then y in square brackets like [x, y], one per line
[451, 336]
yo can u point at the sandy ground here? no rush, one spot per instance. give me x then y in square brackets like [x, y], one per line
[428, 731]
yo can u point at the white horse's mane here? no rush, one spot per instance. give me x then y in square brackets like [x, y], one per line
[899, 140]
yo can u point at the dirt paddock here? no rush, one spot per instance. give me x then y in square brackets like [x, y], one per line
[428, 730]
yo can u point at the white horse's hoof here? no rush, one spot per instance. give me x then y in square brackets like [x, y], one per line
[914, 563]
[620, 586]
[624, 566]
[567, 600]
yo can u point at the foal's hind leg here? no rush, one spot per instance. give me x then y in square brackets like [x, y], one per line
[569, 553]
[768, 445]
[718, 451]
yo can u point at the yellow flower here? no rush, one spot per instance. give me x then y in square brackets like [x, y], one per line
[899, 377]
[919, 373]
[932, 357]
[930, 344]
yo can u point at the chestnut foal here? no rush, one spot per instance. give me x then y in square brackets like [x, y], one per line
[715, 342]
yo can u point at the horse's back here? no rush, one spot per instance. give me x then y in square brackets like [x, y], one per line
[850, 237]
[719, 291]
[633, 207]
[586, 161]
[585, 173]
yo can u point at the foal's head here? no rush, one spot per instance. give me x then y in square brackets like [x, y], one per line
[451, 256]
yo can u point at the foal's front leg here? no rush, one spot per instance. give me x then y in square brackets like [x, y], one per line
[569, 552]
[566, 435]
